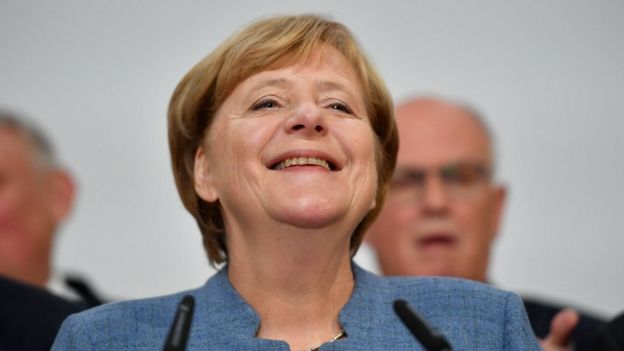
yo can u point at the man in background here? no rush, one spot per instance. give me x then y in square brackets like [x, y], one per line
[444, 209]
[36, 195]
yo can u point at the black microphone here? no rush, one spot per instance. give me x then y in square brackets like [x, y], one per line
[179, 332]
[428, 337]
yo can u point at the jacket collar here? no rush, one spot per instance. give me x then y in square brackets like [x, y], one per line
[226, 315]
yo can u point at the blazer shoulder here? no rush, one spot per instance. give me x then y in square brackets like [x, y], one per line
[452, 295]
[437, 293]
[118, 323]
[448, 287]
[472, 315]
[143, 310]
[483, 307]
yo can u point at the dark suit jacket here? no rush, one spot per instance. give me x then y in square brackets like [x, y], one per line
[541, 314]
[30, 317]
[611, 337]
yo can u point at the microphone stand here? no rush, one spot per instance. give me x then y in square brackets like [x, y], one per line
[181, 326]
[427, 336]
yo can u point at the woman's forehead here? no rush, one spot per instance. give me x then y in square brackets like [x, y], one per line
[326, 68]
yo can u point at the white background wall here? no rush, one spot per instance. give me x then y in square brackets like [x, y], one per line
[549, 76]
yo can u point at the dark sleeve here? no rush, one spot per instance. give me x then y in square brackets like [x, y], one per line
[30, 317]
[611, 337]
[541, 314]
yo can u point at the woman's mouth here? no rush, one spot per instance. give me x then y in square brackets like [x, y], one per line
[303, 161]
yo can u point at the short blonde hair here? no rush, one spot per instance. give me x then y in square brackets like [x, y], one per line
[260, 46]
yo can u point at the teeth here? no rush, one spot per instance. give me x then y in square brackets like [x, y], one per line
[302, 161]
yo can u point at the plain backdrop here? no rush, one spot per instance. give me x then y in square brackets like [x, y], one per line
[549, 76]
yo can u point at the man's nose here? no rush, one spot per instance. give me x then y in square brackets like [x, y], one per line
[435, 197]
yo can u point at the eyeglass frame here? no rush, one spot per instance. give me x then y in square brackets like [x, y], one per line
[417, 178]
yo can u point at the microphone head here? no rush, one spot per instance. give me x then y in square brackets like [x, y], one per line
[427, 336]
[181, 326]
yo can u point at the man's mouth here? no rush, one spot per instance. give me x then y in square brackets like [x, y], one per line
[436, 240]
[304, 161]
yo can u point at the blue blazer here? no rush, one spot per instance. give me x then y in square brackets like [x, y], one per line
[473, 316]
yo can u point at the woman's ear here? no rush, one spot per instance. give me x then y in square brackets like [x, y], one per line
[373, 204]
[204, 184]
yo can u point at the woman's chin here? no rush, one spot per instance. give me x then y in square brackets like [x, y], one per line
[310, 215]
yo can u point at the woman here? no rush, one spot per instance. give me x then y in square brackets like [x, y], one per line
[282, 143]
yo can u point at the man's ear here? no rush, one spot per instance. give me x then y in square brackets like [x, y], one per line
[61, 194]
[203, 176]
[498, 207]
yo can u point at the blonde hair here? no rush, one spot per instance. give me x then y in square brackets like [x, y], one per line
[265, 44]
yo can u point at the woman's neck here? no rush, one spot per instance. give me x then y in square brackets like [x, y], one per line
[297, 281]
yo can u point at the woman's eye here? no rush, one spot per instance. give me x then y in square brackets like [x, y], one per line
[265, 104]
[341, 107]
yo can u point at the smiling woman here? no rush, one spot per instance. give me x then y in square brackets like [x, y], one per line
[292, 114]
[282, 144]
[255, 53]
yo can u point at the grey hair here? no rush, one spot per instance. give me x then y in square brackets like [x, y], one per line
[46, 155]
[481, 120]
[477, 116]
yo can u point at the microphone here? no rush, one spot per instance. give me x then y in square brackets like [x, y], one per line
[428, 337]
[179, 332]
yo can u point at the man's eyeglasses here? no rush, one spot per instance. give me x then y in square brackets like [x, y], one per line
[459, 180]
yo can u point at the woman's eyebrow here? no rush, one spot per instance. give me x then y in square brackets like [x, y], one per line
[272, 82]
[332, 85]
[327, 85]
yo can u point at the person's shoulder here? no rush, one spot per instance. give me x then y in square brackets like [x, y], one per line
[444, 284]
[457, 292]
[21, 315]
[443, 295]
[145, 310]
[439, 287]
[17, 294]
[472, 315]
[119, 324]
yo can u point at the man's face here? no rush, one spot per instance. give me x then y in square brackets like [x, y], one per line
[26, 217]
[442, 211]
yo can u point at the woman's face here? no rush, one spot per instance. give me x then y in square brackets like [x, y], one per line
[292, 145]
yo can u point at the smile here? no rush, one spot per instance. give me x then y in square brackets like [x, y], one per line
[303, 161]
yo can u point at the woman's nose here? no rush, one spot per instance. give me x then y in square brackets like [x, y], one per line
[308, 120]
